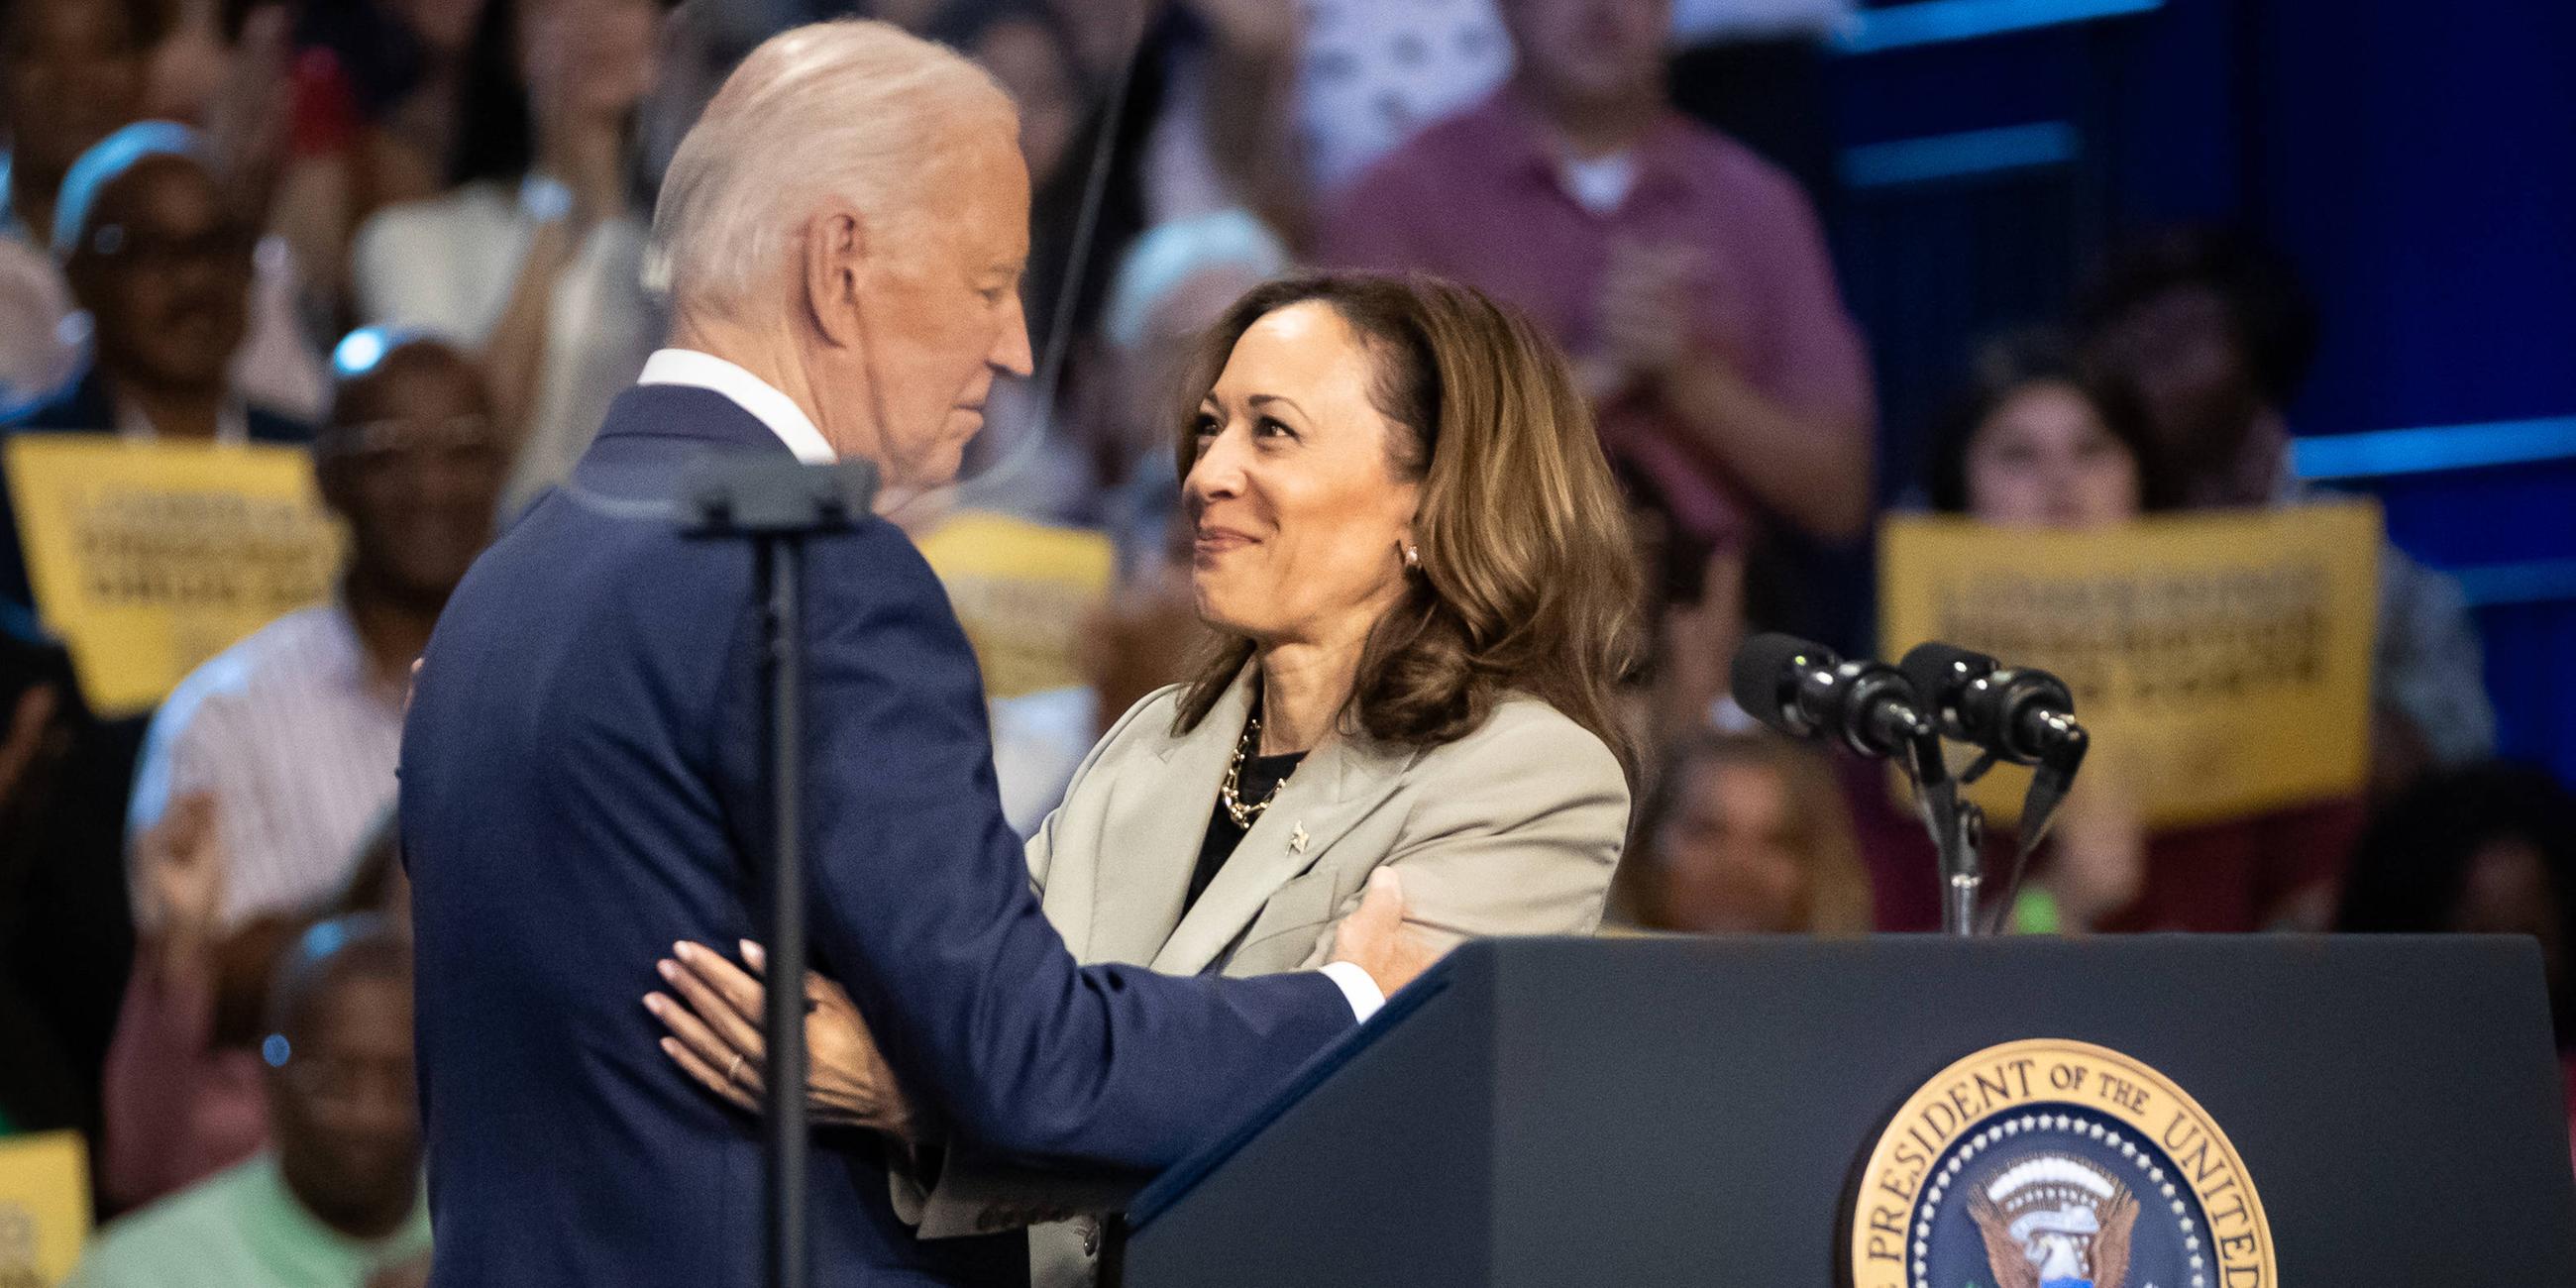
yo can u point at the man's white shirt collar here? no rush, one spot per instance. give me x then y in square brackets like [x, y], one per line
[749, 392]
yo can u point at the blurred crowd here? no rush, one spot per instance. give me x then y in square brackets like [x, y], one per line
[407, 235]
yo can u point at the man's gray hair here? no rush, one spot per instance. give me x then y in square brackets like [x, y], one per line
[851, 109]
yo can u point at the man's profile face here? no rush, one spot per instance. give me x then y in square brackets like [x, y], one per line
[1589, 51]
[164, 267]
[942, 318]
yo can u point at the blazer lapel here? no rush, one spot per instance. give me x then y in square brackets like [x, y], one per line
[1152, 833]
[1336, 787]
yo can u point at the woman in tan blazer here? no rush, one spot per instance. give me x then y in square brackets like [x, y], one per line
[1411, 550]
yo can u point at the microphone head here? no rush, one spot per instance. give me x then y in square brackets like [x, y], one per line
[1766, 674]
[1936, 670]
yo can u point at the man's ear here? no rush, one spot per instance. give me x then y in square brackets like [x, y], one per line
[836, 260]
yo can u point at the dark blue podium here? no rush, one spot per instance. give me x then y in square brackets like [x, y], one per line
[1668, 1111]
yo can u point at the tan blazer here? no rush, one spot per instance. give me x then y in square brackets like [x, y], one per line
[1511, 830]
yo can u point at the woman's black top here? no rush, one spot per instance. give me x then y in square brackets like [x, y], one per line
[1260, 774]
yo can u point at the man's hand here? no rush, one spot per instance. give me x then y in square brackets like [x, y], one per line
[1643, 314]
[183, 866]
[1374, 939]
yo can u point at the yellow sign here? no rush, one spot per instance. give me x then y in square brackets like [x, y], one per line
[1022, 591]
[2050, 1163]
[149, 558]
[2221, 662]
[44, 1207]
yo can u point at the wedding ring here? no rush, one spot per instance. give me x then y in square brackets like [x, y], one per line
[732, 1069]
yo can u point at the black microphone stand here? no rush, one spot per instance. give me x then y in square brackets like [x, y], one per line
[1957, 829]
[777, 502]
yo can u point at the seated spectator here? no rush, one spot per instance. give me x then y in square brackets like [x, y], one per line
[535, 256]
[1743, 834]
[2041, 441]
[74, 73]
[1701, 599]
[64, 937]
[227, 69]
[1172, 283]
[77, 71]
[1371, 74]
[1026, 47]
[182, 1085]
[2216, 334]
[71, 73]
[291, 735]
[162, 263]
[269, 767]
[2490, 849]
[36, 354]
[337, 1200]
[1687, 275]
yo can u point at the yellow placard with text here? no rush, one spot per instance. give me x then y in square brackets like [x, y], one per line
[2221, 662]
[1022, 591]
[149, 558]
[44, 1208]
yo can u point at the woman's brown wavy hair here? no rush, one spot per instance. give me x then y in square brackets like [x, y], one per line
[1528, 580]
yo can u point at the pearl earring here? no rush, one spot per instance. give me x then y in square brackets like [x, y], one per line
[1412, 557]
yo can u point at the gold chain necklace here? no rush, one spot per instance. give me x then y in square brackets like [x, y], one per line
[1242, 814]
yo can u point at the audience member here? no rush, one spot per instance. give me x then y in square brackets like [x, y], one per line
[2042, 441]
[1198, 123]
[78, 70]
[1743, 833]
[377, 91]
[71, 72]
[225, 68]
[1171, 284]
[64, 936]
[2216, 334]
[267, 774]
[536, 256]
[1688, 275]
[2487, 849]
[75, 72]
[162, 264]
[337, 1199]
[291, 735]
[1694, 606]
[181, 1086]
[1371, 73]
[1026, 46]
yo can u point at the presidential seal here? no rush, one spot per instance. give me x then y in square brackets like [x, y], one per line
[2054, 1164]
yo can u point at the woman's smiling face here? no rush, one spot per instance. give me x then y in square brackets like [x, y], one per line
[1300, 507]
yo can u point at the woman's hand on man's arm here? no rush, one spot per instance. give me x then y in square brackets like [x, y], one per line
[715, 1024]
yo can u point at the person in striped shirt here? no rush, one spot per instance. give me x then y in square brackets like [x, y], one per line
[264, 771]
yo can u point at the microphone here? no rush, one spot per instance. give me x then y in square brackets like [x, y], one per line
[1806, 691]
[2022, 715]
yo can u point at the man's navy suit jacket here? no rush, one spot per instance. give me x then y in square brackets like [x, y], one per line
[580, 789]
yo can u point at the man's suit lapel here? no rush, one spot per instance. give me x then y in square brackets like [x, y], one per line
[1337, 786]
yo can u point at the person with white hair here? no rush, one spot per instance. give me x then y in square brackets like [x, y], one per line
[841, 235]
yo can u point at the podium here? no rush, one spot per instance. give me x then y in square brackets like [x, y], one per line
[1740, 1111]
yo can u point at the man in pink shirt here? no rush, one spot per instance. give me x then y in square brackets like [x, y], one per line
[1688, 276]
